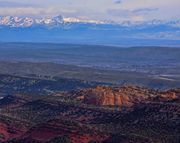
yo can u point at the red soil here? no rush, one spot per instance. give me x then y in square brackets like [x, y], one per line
[8, 131]
[52, 129]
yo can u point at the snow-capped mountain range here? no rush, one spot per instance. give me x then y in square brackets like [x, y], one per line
[14, 21]
[83, 31]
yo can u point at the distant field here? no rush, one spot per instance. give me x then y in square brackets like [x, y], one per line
[141, 59]
[41, 71]
[155, 67]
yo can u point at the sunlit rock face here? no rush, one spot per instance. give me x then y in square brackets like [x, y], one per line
[125, 96]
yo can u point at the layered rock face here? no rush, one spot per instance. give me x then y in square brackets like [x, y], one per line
[125, 96]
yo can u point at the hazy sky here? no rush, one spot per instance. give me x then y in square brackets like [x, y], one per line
[116, 10]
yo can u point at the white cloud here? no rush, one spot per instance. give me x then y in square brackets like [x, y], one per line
[10, 4]
[96, 9]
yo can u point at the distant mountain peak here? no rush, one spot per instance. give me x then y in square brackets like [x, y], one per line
[49, 21]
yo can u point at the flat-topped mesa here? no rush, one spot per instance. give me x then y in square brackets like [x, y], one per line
[125, 96]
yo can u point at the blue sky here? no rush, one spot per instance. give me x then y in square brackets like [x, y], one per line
[115, 10]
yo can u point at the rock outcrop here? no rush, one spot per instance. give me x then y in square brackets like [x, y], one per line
[125, 96]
